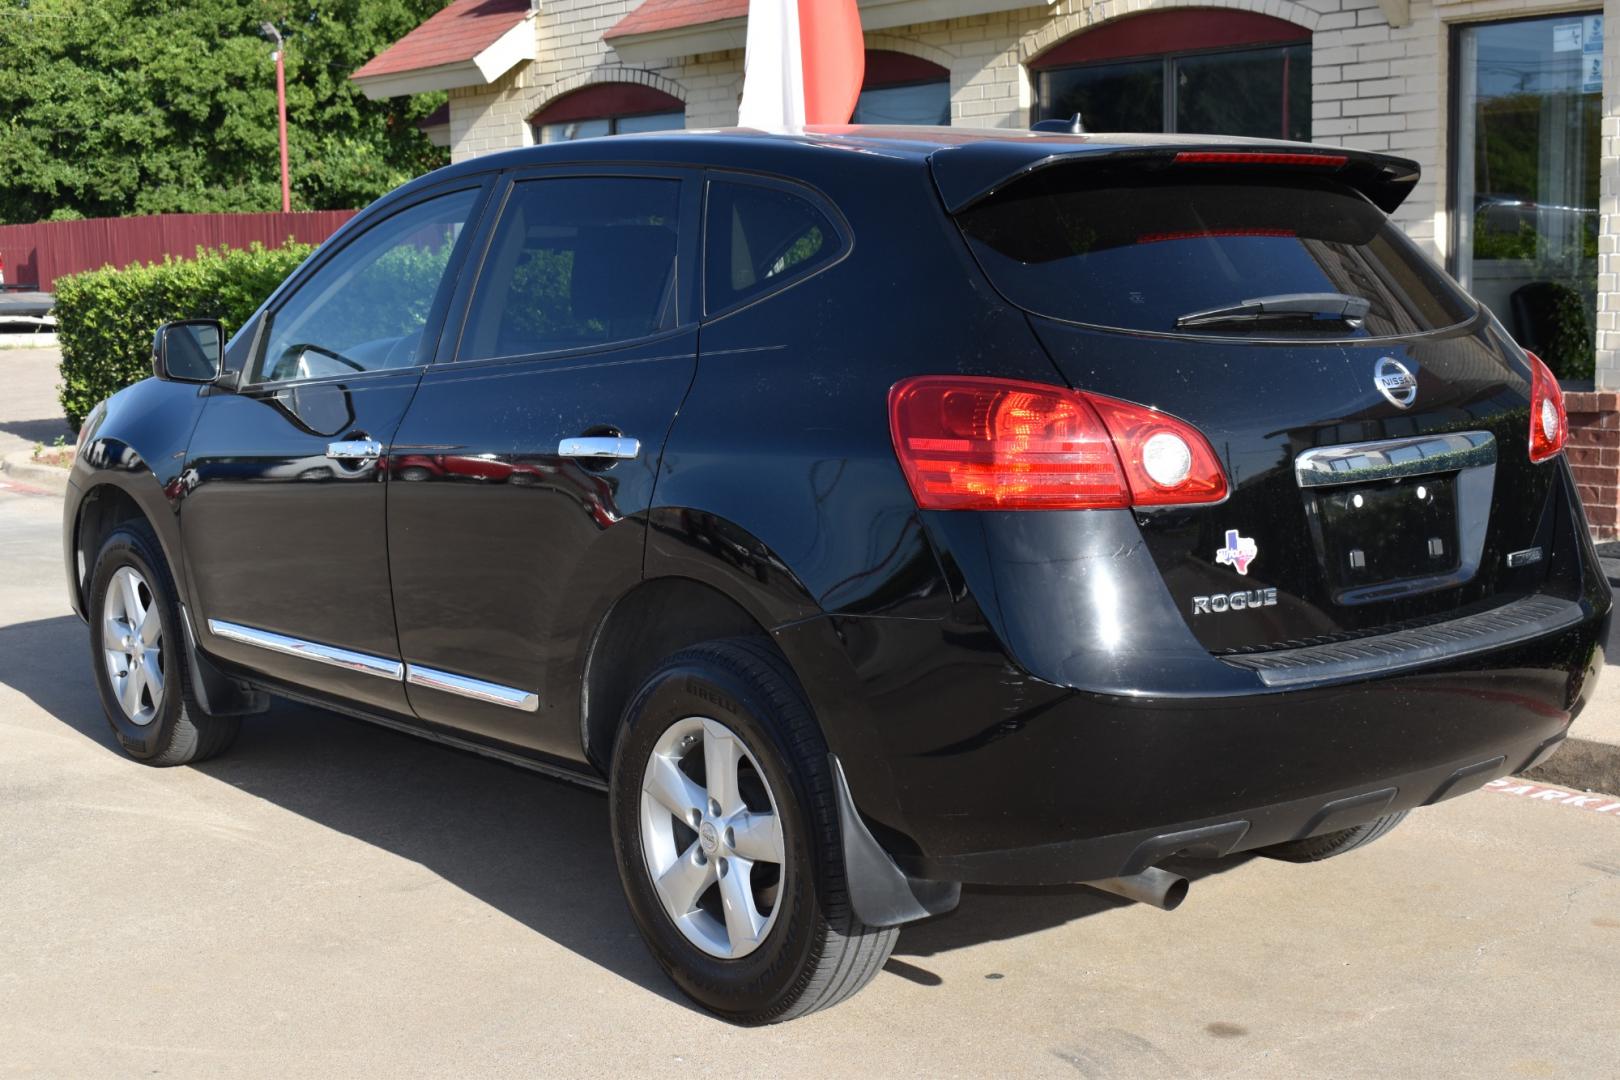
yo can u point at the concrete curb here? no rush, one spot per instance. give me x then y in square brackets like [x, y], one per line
[21, 467]
[41, 340]
[1583, 764]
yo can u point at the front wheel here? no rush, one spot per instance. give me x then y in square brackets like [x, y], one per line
[726, 832]
[139, 656]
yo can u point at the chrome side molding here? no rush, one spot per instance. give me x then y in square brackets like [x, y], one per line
[309, 650]
[1359, 463]
[382, 667]
[477, 689]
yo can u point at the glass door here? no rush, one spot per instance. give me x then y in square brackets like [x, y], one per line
[1527, 128]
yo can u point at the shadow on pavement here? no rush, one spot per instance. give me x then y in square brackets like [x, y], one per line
[537, 850]
[38, 431]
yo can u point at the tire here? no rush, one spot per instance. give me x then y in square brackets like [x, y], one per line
[155, 718]
[1326, 846]
[810, 950]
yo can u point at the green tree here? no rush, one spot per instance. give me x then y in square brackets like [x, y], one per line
[114, 107]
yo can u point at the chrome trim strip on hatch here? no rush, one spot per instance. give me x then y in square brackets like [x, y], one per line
[309, 650]
[1360, 463]
[477, 689]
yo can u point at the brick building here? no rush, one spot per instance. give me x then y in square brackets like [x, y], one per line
[1512, 107]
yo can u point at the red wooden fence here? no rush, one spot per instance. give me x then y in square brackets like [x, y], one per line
[36, 255]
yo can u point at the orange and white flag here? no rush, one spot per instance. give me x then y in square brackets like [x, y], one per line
[804, 65]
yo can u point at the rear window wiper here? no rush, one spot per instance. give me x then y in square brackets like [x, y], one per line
[1330, 305]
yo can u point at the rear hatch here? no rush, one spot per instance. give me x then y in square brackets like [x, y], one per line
[1267, 300]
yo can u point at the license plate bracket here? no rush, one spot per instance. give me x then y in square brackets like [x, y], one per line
[1399, 517]
[1388, 531]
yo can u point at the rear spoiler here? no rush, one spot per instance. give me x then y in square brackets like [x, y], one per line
[972, 172]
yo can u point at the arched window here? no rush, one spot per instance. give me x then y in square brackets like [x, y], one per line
[607, 109]
[1206, 70]
[902, 89]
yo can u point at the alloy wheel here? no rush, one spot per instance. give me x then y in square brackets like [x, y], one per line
[132, 644]
[712, 838]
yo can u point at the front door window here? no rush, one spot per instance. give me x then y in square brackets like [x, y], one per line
[1528, 125]
[368, 307]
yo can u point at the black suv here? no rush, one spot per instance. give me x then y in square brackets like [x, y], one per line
[868, 512]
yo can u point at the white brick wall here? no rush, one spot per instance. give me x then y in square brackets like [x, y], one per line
[1608, 315]
[1373, 87]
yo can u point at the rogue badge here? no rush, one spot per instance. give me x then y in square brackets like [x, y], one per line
[1238, 553]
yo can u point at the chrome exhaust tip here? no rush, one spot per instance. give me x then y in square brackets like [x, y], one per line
[1160, 888]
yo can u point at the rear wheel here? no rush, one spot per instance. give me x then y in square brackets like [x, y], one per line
[1317, 848]
[726, 832]
[139, 655]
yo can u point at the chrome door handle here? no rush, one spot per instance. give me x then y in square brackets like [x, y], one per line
[355, 450]
[600, 446]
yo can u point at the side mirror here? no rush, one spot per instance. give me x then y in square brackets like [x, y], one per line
[189, 351]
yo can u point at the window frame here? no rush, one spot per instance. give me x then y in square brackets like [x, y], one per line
[363, 224]
[687, 241]
[797, 188]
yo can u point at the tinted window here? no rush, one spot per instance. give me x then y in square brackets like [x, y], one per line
[368, 306]
[758, 238]
[576, 262]
[919, 103]
[1136, 253]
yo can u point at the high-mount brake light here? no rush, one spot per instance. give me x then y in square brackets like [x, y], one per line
[1549, 424]
[976, 443]
[1251, 157]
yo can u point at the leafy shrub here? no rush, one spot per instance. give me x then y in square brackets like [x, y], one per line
[1570, 349]
[105, 318]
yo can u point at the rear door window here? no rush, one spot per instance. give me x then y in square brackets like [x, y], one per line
[1134, 252]
[757, 238]
[576, 262]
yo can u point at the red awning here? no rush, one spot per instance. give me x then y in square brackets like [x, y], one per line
[656, 15]
[455, 35]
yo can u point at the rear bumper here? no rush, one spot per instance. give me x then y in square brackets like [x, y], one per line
[968, 769]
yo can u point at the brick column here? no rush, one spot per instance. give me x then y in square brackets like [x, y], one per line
[1594, 454]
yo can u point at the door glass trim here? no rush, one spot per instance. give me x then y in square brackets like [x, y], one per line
[331, 655]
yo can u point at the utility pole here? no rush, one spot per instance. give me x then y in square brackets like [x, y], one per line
[269, 31]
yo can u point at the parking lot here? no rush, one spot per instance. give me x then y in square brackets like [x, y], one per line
[335, 899]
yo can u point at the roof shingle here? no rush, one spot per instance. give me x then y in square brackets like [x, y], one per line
[459, 32]
[655, 15]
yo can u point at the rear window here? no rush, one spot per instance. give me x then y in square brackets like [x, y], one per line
[1133, 252]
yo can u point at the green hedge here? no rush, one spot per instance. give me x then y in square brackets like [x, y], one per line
[105, 318]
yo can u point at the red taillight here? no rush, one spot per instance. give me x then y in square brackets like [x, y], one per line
[972, 443]
[1549, 425]
[1240, 157]
[1168, 462]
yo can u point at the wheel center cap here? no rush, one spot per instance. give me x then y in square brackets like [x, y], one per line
[709, 838]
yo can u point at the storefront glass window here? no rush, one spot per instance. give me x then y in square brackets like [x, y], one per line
[920, 103]
[1265, 93]
[1528, 121]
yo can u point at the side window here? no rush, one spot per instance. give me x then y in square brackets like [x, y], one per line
[759, 237]
[576, 262]
[367, 307]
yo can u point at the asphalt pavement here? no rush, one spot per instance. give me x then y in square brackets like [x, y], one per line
[334, 899]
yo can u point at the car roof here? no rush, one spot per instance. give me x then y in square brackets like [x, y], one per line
[967, 162]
